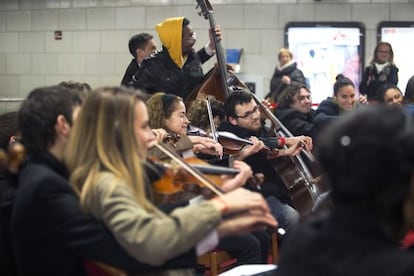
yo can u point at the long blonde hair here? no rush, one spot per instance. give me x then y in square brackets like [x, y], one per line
[103, 140]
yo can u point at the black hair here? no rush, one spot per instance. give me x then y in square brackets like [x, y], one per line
[186, 22]
[341, 81]
[38, 113]
[8, 128]
[236, 98]
[287, 96]
[409, 91]
[382, 90]
[368, 156]
[138, 41]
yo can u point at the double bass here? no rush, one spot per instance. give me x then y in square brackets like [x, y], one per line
[303, 187]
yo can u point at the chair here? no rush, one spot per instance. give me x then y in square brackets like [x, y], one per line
[216, 261]
[274, 248]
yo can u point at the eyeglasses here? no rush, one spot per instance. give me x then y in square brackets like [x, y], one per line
[248, 114]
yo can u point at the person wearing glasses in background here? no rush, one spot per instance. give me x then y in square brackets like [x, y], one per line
[244, 120]
[380, 70]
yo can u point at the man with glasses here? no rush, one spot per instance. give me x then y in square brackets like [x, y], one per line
[244, 120]
[176, 69]
[294, 110]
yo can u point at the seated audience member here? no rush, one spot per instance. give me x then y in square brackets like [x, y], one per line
[390, 94]
[9, 134]
[368, 157]
[409, 96]
[106, 161]
[343, 100]
[140, 46]
[294, 110]
[51, 234]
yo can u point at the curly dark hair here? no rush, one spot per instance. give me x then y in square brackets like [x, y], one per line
[287, 97]
[198, 115]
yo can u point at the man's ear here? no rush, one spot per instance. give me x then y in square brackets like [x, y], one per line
[232, 121]
[62, 126]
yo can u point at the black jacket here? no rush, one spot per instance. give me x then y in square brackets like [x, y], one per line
[326, 112]
[130, 72]
[296, 122]
[159, 73]
[276, 84]
[8, 184]
[372, 80]
[347, 243]
[273, 185]
[53, 236]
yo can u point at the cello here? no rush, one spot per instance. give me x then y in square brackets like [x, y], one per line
[303, 188]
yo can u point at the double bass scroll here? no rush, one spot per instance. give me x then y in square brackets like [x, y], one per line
[215, 81]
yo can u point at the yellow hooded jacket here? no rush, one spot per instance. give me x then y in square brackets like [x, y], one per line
[170, 32]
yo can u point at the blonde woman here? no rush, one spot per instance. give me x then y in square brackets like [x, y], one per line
[105, 156]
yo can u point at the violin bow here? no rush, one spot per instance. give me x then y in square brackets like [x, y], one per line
[194, 172]
[211, 119]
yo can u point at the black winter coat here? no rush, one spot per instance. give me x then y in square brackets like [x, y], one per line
[276, 84]
[273, 184]
[349, 243]
[297, 122]
[159, 73]
[372, 80]
[53, 236]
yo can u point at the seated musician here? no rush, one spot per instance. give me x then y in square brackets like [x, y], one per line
[294, 110]
[244, 120]
[169, 112]
[105, 159]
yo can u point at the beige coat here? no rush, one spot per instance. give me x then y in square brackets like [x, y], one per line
[151, 238]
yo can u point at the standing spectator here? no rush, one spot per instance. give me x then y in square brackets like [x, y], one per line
[381, 70]
[140, 46]
[285, 73]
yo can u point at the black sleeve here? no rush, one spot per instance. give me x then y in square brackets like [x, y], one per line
[64, 225]
[203, 56]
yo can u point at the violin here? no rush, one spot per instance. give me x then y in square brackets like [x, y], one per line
[181, 173]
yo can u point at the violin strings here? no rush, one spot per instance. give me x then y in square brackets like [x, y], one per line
[191, 170]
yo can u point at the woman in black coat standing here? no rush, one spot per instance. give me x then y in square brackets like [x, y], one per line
[285, 73]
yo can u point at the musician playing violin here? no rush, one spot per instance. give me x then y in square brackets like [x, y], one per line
[244, 120]
[176, 69]
[168, 112]
[111, 183]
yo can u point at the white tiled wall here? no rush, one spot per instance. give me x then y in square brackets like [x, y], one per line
[95, 34]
